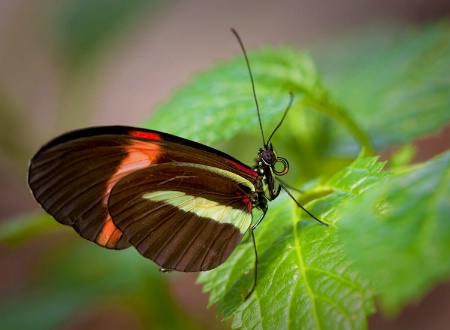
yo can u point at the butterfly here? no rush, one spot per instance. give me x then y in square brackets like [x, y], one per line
[182, 204]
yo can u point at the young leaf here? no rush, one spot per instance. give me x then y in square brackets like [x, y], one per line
[398, 233]
[304, 280]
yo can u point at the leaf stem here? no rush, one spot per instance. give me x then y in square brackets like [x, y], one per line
[341, 116]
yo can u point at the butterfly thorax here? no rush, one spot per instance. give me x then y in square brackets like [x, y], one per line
[265, 167]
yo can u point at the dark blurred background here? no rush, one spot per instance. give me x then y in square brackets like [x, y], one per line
[74, 63]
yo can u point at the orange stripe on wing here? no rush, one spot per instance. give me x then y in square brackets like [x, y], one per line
[109, 235]
[140, 155]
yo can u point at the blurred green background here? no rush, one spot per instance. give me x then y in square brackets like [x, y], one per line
[75, 63]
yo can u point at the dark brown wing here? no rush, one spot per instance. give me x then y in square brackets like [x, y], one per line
[186, 217]
[72, 176]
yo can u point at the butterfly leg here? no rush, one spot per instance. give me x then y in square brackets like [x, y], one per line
[298, 204]
[263, 206]
[255, 278]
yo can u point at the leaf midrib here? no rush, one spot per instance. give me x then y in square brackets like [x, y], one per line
[302, 266]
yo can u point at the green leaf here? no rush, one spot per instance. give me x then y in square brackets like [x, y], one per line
[398, 233]
[304, 279]
[394, 81]
[219, 103]
[402, 157]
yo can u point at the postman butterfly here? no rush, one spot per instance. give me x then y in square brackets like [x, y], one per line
[182, 204]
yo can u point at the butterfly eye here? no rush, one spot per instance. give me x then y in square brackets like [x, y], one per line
[267, 156]
[285, 168]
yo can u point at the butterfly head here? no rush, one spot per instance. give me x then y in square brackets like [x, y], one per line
[267, 158]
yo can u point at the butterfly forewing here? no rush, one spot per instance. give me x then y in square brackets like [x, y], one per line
[183, 216]
[70, 181]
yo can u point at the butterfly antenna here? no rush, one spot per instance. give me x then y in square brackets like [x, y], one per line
[253, 83]
[291, 99]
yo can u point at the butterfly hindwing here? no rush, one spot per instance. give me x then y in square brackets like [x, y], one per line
[73, 175]
[183, 216]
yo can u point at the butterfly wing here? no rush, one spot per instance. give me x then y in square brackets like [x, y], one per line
[71, 178]
[73, 175]
[183, 216]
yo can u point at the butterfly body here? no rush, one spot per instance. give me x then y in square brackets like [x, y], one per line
[182, 204]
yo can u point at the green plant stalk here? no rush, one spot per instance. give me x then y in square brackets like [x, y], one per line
[336, 112]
